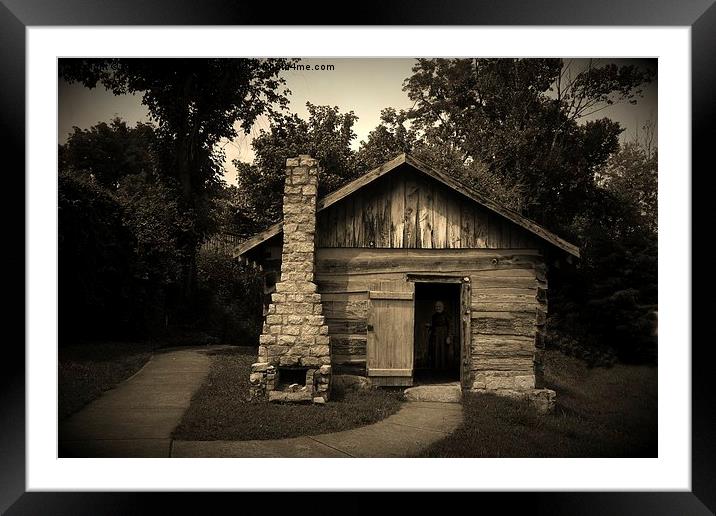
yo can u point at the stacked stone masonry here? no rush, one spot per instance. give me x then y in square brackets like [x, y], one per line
[295, 334]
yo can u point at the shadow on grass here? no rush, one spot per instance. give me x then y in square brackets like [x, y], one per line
[87, 370]
[599, 413]
[220, 409]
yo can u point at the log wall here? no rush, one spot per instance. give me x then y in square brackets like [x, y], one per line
[508, 286]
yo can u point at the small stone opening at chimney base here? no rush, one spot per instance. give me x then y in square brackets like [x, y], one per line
[294, 379]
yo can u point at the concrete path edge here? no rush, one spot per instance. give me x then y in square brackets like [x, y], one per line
[137, 418]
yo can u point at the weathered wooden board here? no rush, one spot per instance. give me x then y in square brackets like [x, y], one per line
[357, 359]
[494, 231]
[426, 211]
[503, 345]
[465, 267]
[407, 210]
[356, 367]
[504, 323]
[390, 372]
[453, 224]
[390, 336]
[369, 223]
[526, 281]
[397, 213]
[383, 213]
[410, 236]
[349, 345]
[358, 234]
[391, 294]
[505, 306]
[344, 297]
[505, 290]
[465, 335]
[495, 273]
[343, 284]
[481, 231]
[354, 327]
[431, 254]
[501, 295]
[392, 381]
[404, 260]
[467, 225]
[518, 364]
[440, 200]
[322, 224]
[357, 280]
[348, 237]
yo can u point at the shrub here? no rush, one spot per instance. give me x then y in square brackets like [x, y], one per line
[230, 298]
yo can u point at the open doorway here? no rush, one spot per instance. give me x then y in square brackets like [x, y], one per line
[437, 333]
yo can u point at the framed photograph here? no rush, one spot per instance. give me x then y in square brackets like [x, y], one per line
[437, 239]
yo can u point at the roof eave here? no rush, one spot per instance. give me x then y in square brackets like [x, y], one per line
[369, 177]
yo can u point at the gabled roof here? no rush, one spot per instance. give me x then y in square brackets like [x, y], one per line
[385, 168]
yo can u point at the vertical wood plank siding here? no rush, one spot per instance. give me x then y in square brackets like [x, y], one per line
[409, 211]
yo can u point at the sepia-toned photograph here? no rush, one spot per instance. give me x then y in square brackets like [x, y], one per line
[357, 257]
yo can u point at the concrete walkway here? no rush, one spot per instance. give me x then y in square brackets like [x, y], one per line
[136, 419]
[404, 434]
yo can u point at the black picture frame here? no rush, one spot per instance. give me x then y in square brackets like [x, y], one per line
[700, 15]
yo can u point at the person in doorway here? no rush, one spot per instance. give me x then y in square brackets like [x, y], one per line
[439, 337]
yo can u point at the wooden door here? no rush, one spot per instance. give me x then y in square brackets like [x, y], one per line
[465, 334]
[390, 336]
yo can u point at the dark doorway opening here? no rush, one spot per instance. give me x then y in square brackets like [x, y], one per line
[437, 333]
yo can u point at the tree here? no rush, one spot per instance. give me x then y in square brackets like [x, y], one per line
[609, 301]
[523, 131]
[521, 119]
[195, 103]
[117, 214]
[326, 135]
[94, 255]
[631, 175]
[393, 136]
[110, 151]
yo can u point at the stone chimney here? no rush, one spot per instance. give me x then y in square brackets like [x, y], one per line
[294, 362]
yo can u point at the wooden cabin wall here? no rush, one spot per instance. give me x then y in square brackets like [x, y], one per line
[506, 284]
[412, 211]
[541, 324]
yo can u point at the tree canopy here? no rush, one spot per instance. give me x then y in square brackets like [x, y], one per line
[195, 103]
[326, 135]
[136, 202]
[519, 120]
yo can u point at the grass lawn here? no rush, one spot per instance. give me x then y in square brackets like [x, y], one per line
[220, 410]
[87, 370]
[600, 413]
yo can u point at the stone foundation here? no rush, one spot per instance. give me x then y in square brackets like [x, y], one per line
[495, 380]
[295, 333]
[541, 399]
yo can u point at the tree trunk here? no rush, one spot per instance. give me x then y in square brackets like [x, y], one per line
[187, 167]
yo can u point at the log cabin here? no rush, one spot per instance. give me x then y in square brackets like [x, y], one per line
[352, 280]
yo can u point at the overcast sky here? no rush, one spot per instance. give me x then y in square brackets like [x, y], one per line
[364, 86]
